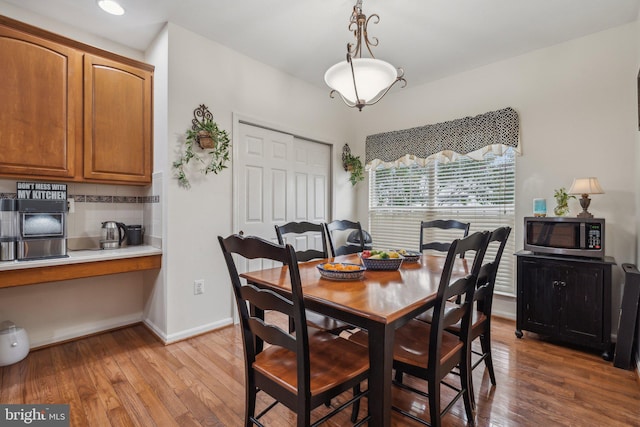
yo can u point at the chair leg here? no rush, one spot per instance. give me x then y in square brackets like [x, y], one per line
[304, 414]
[466, 384]
[469, 374]
[250, 409]
[355, 410]
[434, 402]
[485, 342]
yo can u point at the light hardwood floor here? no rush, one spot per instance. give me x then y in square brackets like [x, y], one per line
[126, 377]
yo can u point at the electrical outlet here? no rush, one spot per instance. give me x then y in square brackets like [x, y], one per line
[198, 287]
[71, 204]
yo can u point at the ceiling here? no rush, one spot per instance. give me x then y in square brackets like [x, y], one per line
[430, 39]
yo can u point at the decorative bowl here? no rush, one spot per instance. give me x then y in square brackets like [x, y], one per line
[341, 271]
[410, 256]
[382, 264]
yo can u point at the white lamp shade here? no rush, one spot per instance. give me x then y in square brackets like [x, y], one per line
[586, 186]
[372, 77]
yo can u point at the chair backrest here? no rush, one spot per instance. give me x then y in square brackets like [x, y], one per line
[304, 228]
[460, 290]
[442, 224]
[489, 270]
[337, 231]
[253, 323]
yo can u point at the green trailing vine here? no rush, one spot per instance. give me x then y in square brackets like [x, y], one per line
[210, 159]
[353, 164]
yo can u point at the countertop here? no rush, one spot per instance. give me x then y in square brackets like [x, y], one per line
[82, 256]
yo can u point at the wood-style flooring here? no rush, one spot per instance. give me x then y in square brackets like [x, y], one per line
[128, 378]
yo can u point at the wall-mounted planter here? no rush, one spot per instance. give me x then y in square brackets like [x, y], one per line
[205, 143]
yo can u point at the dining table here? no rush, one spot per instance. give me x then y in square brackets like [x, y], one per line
[380, 303]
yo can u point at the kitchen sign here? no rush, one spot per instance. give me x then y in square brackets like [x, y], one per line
[41, 191]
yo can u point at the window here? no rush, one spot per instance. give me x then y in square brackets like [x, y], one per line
[479, 192]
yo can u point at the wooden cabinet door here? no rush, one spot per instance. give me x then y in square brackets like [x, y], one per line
[581, 297]
[40, 107]
[536, 295]
[117, 121]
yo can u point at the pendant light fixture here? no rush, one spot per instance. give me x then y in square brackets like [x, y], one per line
[362, 81]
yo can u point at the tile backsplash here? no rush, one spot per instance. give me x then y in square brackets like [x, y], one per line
[96, 203]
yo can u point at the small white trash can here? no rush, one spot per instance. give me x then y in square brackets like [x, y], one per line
[14, 343]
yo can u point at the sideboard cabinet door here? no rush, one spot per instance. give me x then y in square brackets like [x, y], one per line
[40, 107]
[117, 121]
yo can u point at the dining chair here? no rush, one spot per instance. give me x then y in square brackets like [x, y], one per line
[302, 370]
[432, 227]
[483, 301]
[481, 318]
[338, 232]
[305, 229]
[428, 351]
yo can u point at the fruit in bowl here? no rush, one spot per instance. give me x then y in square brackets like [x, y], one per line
[376, 254]
[381, 260]
[409, 256]
[341, 271]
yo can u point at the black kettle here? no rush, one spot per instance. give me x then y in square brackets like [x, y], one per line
[113, 234]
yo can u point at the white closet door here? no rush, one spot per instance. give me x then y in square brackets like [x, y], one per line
[280, 178]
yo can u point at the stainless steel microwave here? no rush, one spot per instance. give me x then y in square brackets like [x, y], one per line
[583, 237]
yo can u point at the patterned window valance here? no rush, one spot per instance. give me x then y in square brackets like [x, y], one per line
[473, 136]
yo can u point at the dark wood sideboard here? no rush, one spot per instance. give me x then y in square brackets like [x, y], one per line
[567, 299]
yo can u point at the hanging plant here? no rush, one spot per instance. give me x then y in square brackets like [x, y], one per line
[562, 201]
[212, 150]
[352, 164]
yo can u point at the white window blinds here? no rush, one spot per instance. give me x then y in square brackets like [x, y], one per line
[481, 193]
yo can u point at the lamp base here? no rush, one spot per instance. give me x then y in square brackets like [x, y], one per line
[585, 214]
[585, 201]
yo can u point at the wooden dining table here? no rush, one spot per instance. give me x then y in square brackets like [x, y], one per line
[379, 303]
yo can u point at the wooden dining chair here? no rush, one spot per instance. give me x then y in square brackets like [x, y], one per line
[428, 351]
[305, 229]
[483, 301]
[338, 231]
[436, 243]
[302, 370]
[483, 297]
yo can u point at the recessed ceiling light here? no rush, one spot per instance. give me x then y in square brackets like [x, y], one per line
[111, 6]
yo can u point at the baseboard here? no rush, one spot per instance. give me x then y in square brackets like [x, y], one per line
[188, 333]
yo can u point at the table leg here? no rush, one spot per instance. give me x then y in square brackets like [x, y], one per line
[381, 364]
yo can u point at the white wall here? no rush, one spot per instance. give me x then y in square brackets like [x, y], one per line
[204, 72]
[578, 117]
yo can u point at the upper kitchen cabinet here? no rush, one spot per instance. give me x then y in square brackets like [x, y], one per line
[72, 112]
[117, 121]
[41, 106]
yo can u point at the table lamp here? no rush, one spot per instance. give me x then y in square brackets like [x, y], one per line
[585, 186]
